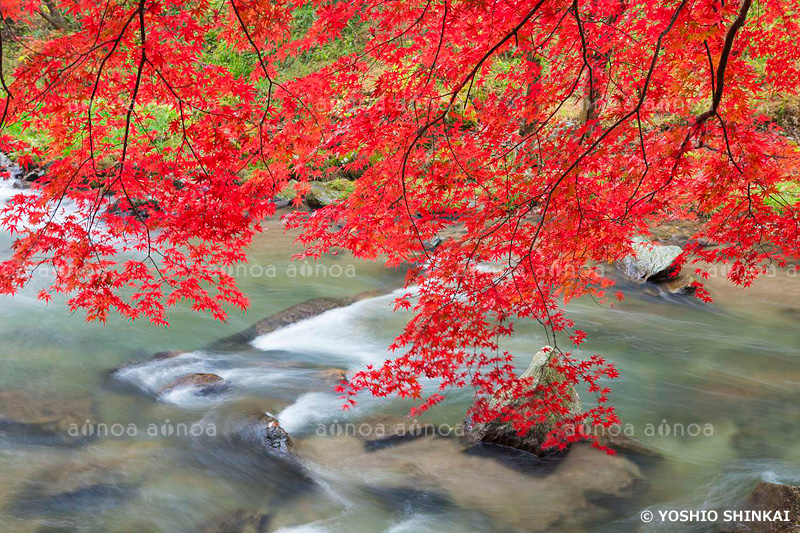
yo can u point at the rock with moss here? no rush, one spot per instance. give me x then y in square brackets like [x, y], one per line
[325, 193]
[286, 195]
[499, 432]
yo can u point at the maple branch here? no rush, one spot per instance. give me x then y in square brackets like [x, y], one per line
[54, 17]
[723, 62]
[718, 86]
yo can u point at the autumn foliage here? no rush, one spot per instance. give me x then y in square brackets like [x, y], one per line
[550, 131]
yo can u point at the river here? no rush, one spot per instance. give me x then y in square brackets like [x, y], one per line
[724, 377]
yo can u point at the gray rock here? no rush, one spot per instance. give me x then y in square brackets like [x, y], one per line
[651, 262]
[264, 431]
[499, 432]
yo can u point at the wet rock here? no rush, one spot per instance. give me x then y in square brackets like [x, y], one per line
[286, 195]
[499, 432]
[32, 172]
[30, 418]
[203, 382]
[264, 431]
[650, 262]
[771, 497]
[239, 521]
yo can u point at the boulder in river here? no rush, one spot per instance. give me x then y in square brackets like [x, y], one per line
[264, 431]
[203, 383]
[499, 432]
[650, 262]
[30, 418]
[776, 499]
[654, 263]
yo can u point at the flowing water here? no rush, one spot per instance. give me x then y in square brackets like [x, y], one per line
[711, 388]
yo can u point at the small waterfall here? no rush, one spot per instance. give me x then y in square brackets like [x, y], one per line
[350, 335]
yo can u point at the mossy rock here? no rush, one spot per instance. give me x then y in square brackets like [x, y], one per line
[497, 431]
[325, 193]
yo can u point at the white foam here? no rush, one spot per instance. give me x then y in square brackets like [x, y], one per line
[154, 376]
[7, 190]
[347, 332]
[309, 408]
[415, 524]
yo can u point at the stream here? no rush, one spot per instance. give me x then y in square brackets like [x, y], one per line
[729, 372]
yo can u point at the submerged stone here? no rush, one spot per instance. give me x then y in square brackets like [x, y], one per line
[239, 521]
[30, 418]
